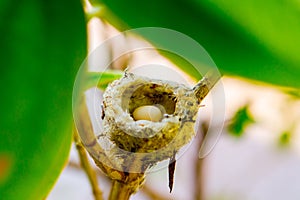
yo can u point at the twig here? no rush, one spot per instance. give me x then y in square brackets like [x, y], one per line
[198, 167]
[202, 88]
[89, 170]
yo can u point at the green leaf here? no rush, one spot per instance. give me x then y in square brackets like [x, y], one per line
[100, 79]
[285, 139]
[42, 46]
[241, 120]
[294, 93]
[254, 39]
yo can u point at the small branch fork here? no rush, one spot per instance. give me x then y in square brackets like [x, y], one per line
[89, 170]
[145, 189]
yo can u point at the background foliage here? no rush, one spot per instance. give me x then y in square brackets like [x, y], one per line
[42, 45]
[253, 39]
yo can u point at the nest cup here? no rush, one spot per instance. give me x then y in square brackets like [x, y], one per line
[164, 137]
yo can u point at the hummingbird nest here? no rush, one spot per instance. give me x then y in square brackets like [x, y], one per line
[140, 144]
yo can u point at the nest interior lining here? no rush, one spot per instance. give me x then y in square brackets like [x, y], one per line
[152, 94]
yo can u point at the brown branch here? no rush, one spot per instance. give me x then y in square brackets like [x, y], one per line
[119, 191]
[202, 88]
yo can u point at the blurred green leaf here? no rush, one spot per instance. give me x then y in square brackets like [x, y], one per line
[285, 139]
[101, 79]
[42, 46]
[254, 39]
[241, 120]
[294, 93]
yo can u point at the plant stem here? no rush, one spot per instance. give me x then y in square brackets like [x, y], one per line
[89, 170]
[198, 167]
[202, 88]
[119, 191]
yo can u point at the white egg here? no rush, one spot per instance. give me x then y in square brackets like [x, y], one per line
[150, 113]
